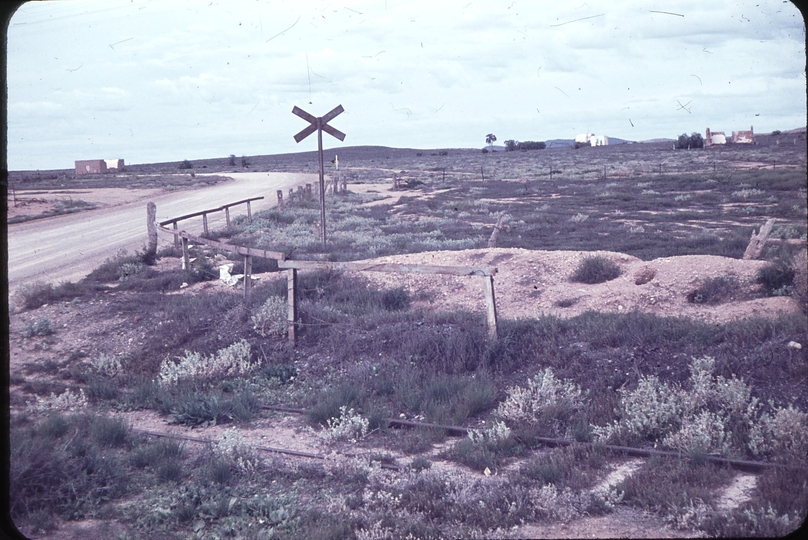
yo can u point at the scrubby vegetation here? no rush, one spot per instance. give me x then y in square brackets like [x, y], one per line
[367, 357]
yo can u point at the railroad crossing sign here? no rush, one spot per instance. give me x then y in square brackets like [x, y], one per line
[320, 124]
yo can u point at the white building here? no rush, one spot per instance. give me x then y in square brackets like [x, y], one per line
[599, 140]
[592, 139]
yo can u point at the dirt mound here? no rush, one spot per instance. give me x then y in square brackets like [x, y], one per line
[536, 283]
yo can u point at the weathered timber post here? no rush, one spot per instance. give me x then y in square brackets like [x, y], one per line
[291, 303]
[280, 200]
[227, 215]
[291, 194]
[247, 277]
[482, 173]
[395, 181]
[186, 260]
[249, 212]
[151, 229]
[176, 236]
[492, 242]
[491, 307]
[308, 192]
[756, 243]
[205, 223]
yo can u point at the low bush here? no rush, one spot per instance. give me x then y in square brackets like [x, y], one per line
[777, 278]
[66, 466]
[714, 290]
[39, 293]
[445, 399]
[39, 328]
[547, 404]
[486, 449]
[595, 269]
[331, 402]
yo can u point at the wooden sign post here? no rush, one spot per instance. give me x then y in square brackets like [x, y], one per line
[320, 124]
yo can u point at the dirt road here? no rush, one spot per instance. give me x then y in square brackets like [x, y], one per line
[67, 248]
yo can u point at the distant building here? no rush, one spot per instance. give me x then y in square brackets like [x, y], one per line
[98, 166]
[599, 140]
[114, 164]
[91, 166]
[714, 137]
[744, 137]
[591, 139]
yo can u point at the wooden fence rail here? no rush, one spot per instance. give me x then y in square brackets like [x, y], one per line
[183, 237]
[204, 214]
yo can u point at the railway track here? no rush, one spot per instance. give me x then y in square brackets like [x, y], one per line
[742, 465]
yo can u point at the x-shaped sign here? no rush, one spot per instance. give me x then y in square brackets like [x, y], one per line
[321, 123]
[684, 107]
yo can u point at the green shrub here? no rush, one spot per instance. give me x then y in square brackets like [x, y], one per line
[547, 403]
[397, 299]
[69, 478]
[39, 293]
[595, 269]
[271, 318]
[714, 290]
[348, 394]
[777, 278]
[108, 431]
[486, 449]
[40, 327]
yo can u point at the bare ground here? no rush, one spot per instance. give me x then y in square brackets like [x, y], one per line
[528, 283]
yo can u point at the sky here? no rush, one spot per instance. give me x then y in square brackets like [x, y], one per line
[166, 80]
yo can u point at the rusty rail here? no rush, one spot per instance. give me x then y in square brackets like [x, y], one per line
[550, 441]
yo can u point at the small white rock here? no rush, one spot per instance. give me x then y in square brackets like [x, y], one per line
[794, 345]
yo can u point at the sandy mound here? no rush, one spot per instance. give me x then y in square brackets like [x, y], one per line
[534, 283]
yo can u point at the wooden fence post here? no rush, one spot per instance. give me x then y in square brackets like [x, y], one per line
[492, 242]
[205, 223]
[280, 200]
[308, 192]
[491, 307]
[227, 215]
[176, 236]
[247, 276]
[291, 194]
[249, 213]
[186, 261]
[151, 228]
[291, 303]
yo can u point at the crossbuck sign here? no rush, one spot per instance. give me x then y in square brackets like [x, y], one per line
[320, 124]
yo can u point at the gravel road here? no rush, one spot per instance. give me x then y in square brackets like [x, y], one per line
[67, 248]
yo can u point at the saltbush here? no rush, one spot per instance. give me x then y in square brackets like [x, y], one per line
[271, 318]
[232, 360]
[546, 402]
[595, 269]
[40, 327]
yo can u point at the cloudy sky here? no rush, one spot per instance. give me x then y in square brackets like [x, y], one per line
[166, 80]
